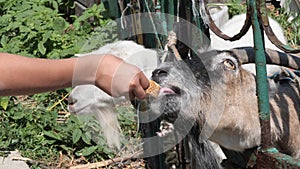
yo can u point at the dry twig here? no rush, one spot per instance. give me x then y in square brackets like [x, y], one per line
[31, 161]
[107, 162]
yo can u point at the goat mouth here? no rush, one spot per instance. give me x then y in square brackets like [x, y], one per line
[172, 90]
[76, 109]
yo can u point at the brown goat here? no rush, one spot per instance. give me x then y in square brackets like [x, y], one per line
[215, 93]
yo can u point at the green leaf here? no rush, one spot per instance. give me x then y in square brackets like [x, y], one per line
[4, 40]
[55, 5]
[51, 141]
[76, 135]
[24, 29]
[59, 24]
[41, 48]
[4, 102]
[53, 135]
[66, 148]
[18, 115]
[86, 137]
[86, 151]
[46, 36]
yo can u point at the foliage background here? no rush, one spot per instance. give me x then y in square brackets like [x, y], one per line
[49, 29]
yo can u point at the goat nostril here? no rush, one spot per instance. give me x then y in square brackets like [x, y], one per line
[71, 101]
[176, 90]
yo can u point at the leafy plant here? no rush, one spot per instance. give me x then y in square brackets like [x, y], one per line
[290, 23]
[4, 102]
[236, 7]
[33, 130]
[37, 28]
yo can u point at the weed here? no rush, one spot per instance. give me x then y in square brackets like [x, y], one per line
[290, 22]
[36, 28]
[236, 7]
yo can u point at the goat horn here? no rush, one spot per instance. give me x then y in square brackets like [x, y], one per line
[246, 55]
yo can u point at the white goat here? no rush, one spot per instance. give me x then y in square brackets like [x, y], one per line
[90, 100]
[233, 26]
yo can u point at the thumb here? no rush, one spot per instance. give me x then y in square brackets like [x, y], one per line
[139, 90]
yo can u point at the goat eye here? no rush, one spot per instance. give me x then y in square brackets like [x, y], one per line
[229, 64]
[159, 75]
[160, 72]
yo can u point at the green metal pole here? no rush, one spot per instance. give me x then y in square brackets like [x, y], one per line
[172, 10]
[163, 4]
[261, 77]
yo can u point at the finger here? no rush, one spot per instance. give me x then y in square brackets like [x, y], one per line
[131, 96]
[139, 92]
[144, 81]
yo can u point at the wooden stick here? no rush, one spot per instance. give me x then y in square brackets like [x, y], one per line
[107, 162]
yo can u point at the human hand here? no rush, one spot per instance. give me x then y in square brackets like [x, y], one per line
[118, 78]
[108, 72]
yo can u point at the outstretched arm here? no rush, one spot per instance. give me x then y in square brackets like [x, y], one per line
[22, 75]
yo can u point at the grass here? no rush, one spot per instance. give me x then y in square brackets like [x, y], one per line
[290, 24]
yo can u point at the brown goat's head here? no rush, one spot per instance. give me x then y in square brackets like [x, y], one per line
[214, 92]
[196, 91]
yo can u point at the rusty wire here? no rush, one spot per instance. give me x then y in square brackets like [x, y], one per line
[262, 17]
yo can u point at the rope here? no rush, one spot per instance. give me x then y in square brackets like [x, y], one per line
[122, 16]
[291, 76]
[287, 75]
[172, 40]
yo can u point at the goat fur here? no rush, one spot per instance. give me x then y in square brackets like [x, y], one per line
[218, 94]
